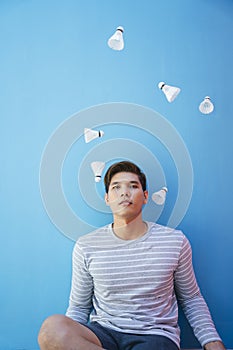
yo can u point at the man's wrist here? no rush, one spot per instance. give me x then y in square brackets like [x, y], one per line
[214, 345]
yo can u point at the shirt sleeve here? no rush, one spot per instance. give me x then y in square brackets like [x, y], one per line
[191, 299]
[80, 301]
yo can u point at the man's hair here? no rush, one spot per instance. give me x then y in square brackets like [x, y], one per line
[124, 166]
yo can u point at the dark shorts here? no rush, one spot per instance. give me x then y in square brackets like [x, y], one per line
[113, 340]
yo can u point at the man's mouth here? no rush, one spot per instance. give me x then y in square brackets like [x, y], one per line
[125, 202]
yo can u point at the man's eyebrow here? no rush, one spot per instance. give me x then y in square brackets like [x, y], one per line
[119, 182]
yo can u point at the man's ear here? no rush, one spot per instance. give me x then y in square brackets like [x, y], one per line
[146, 196]
[106, 198]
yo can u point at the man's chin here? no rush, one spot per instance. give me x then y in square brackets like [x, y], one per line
[124, 212]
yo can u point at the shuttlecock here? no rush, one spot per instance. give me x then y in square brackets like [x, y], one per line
[206, 106]
[90, 134]
[171, 92]
[97, 168]
[160, 196]
[116, 42]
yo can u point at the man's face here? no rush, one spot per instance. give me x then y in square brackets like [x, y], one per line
[126, 196]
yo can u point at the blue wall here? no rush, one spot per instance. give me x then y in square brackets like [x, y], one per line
[55, 64]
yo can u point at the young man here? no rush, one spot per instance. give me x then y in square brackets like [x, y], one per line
[126, 279]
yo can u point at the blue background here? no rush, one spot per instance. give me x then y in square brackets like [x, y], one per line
[54, 62]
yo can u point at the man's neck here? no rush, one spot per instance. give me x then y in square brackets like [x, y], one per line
[128, 230]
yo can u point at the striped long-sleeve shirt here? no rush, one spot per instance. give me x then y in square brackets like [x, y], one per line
[132, 286]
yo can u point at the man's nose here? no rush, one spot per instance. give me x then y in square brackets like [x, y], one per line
[125, 191]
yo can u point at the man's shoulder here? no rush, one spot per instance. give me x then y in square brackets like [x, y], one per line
[165, 230]
[98, 233]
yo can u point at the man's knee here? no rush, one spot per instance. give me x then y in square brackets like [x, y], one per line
[61, 332]
[54, 330]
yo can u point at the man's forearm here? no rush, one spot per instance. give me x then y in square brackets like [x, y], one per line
[214, 345]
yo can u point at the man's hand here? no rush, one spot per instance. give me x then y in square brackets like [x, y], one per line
[214, 345]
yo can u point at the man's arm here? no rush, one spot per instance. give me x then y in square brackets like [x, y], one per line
[214, 345]
[80, 301]
[193, 303]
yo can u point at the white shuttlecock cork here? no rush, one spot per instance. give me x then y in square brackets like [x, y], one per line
[116, 41]
[159, 197]
[97, 168]
[171, 92]
[206, 106]
[90, 134]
